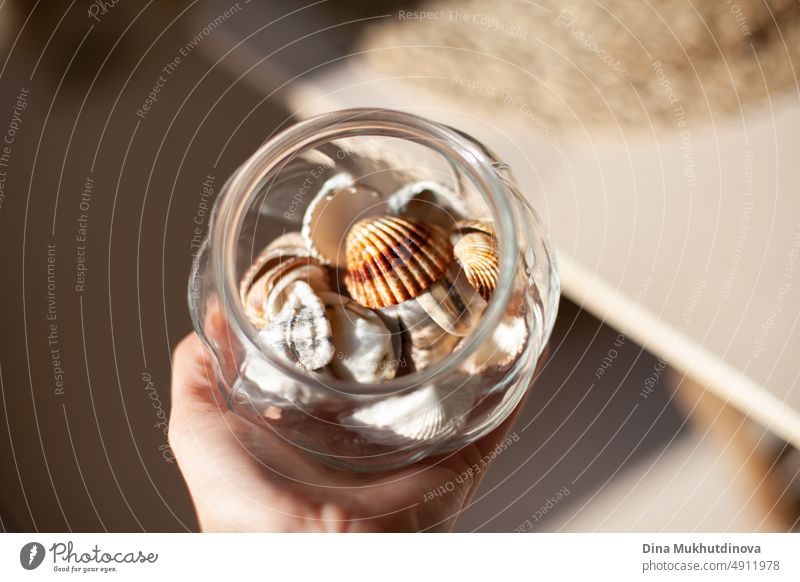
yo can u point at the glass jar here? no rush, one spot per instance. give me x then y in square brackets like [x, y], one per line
[375, 426]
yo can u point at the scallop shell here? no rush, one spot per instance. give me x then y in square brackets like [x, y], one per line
[391, 259]
[366, 350]
[300, 332]
[331, 214]
[427, 414]
[477, 253]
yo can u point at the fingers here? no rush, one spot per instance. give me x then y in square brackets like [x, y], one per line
[191, 392]
[193, 378]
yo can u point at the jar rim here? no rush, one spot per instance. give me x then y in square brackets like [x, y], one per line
[471, 158]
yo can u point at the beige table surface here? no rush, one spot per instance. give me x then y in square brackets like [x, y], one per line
[689, 243]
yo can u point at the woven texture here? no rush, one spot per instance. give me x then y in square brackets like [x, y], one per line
[571, 64]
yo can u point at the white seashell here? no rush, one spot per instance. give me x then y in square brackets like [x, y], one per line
[424, 341]
[300, 332]
[289, 243]
[502, 349]
[427, 414]
[289, 191]
[453, 303]
[267, 390]
[366, 350]
[331, 214]
[435, 321]
[429, 201]
[265, 386]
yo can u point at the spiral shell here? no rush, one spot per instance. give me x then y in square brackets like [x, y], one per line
[300, 332]
[391, 259]
[283, 261]
[477, 253]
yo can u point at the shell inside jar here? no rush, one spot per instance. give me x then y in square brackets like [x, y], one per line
[414, 285]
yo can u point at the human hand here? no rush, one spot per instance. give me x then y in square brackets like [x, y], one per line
[243, 477]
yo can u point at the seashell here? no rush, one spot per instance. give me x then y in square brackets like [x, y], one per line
[265, 298]
[453, 303]
[424, 341]
[435, 321]
[289, 191]
[429, 201]
[264, 386]
[267, 391]
[300, 332]
[391, 259]
[477, 253]
[283, 261]
[511, 336]
[289, 243]
[427, 414]
[501, 350]
[366, 350]
[331, 214]
[278, 282]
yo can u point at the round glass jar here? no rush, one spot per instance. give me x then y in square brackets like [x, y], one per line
[433, 410]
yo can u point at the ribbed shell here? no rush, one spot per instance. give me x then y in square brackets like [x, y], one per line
[391, 259]
[330, 214]
[477, 251]
[429, 414]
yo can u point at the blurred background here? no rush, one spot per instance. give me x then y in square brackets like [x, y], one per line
[659, 143]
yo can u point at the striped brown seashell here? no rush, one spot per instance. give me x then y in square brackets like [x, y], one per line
[392, 259]
[477, 253]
